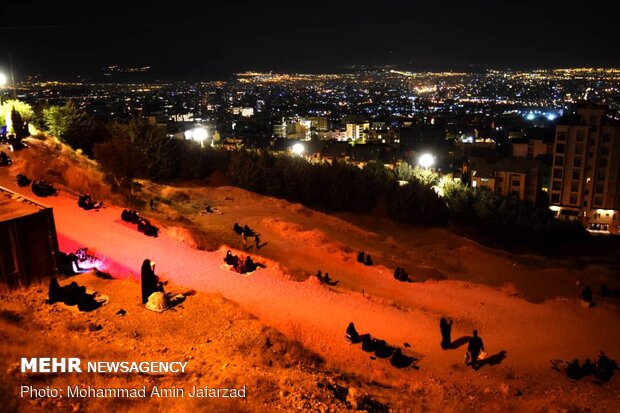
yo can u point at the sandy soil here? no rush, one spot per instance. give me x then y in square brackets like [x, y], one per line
[526, 310]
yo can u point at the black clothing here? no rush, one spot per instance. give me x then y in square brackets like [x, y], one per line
[573, 370]
[474, 348]
[360, 257]
[351, 334]
[446, 330]
[150, 282]
[368, 260]
[586, 294]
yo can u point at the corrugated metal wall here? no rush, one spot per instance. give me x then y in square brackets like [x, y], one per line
[28, 249]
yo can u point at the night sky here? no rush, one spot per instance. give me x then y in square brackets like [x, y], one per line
[198, 40]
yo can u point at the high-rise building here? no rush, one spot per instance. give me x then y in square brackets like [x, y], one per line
[585, 178]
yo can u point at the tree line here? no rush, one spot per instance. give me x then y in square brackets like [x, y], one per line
[138, 149]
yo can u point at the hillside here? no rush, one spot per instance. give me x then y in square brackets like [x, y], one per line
[526, 308]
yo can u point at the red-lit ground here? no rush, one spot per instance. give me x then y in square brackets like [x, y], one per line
[527, 307]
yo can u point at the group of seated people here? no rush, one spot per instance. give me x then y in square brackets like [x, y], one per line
[240, 265]
[379, 347]
[401, 275]
[86, 202]
[72, 294]
[144, 225]
[364, 258]
[243, 230]
[22, 180]
[325, 278]
[603, 369]
[43, 188]
[4, 159]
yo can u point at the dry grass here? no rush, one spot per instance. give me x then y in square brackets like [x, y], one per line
[61, 165]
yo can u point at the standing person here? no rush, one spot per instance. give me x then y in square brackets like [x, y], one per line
[257, 241]
[445, 326]
[474, 348]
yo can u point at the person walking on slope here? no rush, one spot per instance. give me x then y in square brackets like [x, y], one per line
[475, 347]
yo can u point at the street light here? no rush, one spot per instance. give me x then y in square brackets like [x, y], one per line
[200, 135]
[298, 149]
[426, 160]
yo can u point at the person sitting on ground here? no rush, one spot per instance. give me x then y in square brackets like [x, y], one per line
[247, 231]
[351, 334]
[573, 370]
[399, 360]
[605, 367]
[326, 278]
[368, 260]
[588, 368]
[230, 258]
[149, 281]
[240, 267]
[360, 257]
[257, 241]
[249, 264]
[4, 159]
[86, 202]
[54, 292]
[403, 275]
[586, 297]
[319, 275]
[397, 273]
[22, 180]
[238, 229]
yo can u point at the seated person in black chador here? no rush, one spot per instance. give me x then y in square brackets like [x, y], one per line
[249, 264]
[352, 335]
[150, 281]
[238, 229]
[586, 294]
[360, 257]
[231, 259]
[247, 231]
[22, 180]
[86, 202]
[4, 159]
[368, 260]
[605, 367]
[573, 370]
[55, 292]
[399, 360]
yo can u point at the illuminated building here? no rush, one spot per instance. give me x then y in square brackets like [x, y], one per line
[355, 131]
[585, 182]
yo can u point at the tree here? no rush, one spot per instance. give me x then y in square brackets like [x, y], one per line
[404, 172]
[24, 109]
[20, 128]
[121, 162]
[162, 153]
[425, 176]
[59, 119]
